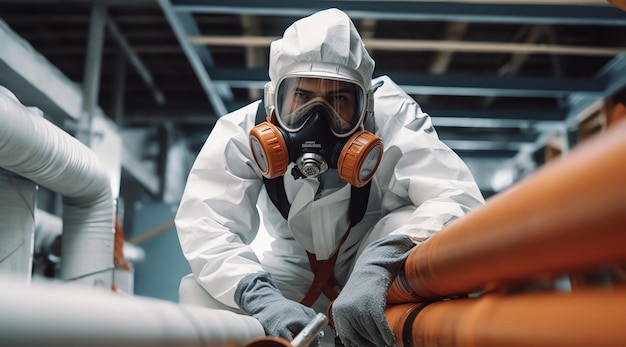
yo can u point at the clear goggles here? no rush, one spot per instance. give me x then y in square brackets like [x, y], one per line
[297, 97]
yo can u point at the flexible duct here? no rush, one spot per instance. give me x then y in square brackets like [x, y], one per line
[17, 226]
[49, 315]
[32, 147]
[540, 319]
[570, 215]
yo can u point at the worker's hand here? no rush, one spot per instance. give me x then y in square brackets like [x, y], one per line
[257, 295]
[359, 311]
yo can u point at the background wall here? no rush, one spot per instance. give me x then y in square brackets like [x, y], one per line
[159, 274]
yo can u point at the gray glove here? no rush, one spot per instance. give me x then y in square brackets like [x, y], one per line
[257, 295]
[359, 311]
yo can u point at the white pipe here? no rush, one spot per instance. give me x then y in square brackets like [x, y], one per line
[67, 315]
[17, 226]
[49, 227]
[34, 148]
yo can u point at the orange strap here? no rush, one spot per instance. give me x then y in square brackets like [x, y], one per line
[324, 280]
[119, 247]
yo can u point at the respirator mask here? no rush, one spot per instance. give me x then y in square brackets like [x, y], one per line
[316, 122]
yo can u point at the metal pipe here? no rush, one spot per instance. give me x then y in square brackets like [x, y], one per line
[569, 215]
[136, 61]
[539, 319]
[310, 331]
[34, 148]
[308, 334]
[67, 315]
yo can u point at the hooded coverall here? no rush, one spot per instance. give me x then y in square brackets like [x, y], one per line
[420, 185]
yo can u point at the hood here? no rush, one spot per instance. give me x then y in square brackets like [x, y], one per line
[327, 36]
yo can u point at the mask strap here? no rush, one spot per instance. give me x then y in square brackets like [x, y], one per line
[358, 202]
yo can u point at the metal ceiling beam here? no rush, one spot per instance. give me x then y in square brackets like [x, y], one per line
[429, 84]
[491, 118]
[483, 145]
[423, 84]
[28, 75]
[453, 32]
[204, 54]
[529, 34]
[529, 113]
[192, 55]
[439, 120]
[502, 154]
[612, 78]
[452, 134]
[493, 123]
[134, 59]
[419, 11]
[428, 45]
[36, 82]
[613, 75]
[547, 116]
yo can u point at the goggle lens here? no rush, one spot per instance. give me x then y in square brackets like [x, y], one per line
[344, 100]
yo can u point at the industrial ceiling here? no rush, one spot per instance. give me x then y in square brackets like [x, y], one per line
[499, 78]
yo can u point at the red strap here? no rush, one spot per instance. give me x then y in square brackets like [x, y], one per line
[324, 280]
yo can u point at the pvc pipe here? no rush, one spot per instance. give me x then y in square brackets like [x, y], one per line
[569, 215]
[540, 319]
[32, 147]
[17, 224]
[48, 315]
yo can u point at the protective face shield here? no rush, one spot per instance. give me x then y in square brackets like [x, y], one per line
[319, 126]
[298, 98]
[317, 100]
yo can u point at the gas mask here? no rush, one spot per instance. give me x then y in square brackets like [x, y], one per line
[317, 123]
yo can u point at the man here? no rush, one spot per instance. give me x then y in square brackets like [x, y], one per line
[348, 174]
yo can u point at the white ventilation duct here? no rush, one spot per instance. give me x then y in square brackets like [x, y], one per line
[17, 204]
[33, 151]
[49, 315]
[33, 148]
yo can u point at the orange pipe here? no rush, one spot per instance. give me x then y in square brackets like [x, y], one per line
[268, 341]
[570, 215]
[540, 319]
[621, 4]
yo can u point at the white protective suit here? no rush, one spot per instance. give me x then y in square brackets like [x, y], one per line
[419, 187]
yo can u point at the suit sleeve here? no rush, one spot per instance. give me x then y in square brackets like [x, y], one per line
[217, 218]
[426, 184]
